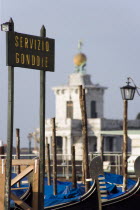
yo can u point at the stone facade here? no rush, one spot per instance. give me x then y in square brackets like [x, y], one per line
[68, 119]
[70, 92]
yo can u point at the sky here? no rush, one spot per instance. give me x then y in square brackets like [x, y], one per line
[110, 32]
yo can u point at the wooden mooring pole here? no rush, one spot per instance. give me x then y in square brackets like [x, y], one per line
[18, 151]
[81, 105]
[1, 150]
[54, 157]
[29, 139]
[84, 134]
[42, 131]
[83, 171]
[48, 163]
[18, 148]
[102, 147]
[9, 130]
[74, 184]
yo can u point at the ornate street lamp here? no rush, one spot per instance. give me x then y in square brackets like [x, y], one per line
[128, 93]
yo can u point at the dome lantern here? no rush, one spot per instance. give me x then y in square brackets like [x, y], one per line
[80, 60]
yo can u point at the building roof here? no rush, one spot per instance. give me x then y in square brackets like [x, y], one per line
[120, 132]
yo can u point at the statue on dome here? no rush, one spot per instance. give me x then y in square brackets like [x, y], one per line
[80, 60]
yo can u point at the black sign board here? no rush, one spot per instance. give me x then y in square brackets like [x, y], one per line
[29, 51]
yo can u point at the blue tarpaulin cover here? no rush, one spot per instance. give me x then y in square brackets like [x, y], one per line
[113, 181]
[65, 192]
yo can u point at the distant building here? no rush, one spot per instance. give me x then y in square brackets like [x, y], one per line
[25, 150]
[68, 117]
[5, 149]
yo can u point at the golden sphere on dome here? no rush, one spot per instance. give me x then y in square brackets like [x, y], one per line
[79, 59]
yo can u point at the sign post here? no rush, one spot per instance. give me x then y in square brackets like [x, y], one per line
[42, 131]
[34, 52]
[9, 130]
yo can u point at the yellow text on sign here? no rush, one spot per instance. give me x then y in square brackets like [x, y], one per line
[31, 43]
[33, 60]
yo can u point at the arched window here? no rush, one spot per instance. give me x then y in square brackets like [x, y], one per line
[93, 109]
[92, 144]
[70, 109]
[59, 145]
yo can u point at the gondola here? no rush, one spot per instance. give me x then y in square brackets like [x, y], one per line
[91, 201]
[130, 199]
[83, 203]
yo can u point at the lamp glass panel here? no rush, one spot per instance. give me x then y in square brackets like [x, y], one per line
[127, 93]
[5, 27]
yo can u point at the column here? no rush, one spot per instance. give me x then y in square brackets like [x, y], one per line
[98, 143]
[64, 138]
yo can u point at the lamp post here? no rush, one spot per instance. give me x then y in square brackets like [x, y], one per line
[127, 93]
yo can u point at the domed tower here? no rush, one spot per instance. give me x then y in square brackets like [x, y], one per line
[67, 96]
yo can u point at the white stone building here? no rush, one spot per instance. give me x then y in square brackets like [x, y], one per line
[68, 117]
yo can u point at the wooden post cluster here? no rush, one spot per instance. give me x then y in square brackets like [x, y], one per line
[125, 142]
[54, 157]
[84, 134]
